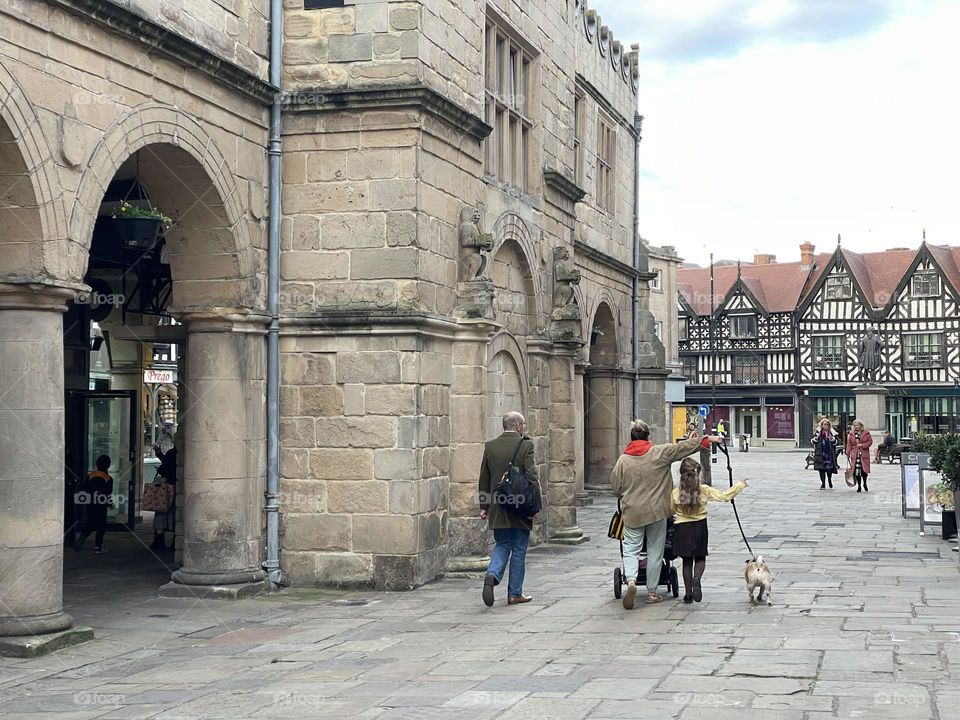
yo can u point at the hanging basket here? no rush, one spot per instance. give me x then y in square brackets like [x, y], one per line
[138, 233]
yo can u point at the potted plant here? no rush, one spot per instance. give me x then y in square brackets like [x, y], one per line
[944, 452]
[139, 227]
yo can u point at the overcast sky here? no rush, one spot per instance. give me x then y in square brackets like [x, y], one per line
[772, 122]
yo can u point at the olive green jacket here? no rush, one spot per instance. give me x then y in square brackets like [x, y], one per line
[496, 461]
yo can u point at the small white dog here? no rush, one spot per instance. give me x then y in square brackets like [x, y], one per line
[757, 575]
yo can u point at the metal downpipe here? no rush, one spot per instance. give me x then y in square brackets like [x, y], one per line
[634, 311]
[272, 563]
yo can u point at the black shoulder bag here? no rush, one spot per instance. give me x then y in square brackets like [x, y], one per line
[515, 492]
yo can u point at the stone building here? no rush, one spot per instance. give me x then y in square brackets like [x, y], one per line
[458, 238]
[664, 305]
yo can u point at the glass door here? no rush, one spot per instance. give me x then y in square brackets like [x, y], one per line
[107, 426]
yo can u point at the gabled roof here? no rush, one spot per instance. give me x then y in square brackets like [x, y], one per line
[776, 287]
[948, 258]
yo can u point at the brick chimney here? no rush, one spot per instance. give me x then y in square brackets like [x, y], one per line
[806, 255]
[764, 259]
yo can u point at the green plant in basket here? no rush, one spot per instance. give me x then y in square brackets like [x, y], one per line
[127, 211]
[944, 452]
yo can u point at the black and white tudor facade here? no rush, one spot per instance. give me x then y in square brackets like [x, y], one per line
[782, 350]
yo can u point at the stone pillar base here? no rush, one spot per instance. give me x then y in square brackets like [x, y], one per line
[871, 407]
[474, 566]
[31, 646]
[582, 498]
[34, 624]
[569, 536]
[236, 591]
[598, 490]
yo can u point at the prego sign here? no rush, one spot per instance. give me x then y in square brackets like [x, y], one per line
[158, 377]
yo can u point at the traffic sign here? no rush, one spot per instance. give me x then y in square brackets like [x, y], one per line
[704, 410]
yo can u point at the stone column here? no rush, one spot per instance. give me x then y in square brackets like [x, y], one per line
[871, 405]
[467, 539]
[562, 442]
[582, 496]
[32, 471]
[224, 454]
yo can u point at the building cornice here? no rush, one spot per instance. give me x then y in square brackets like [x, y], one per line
[172, 46]
[602, 101]
[563, 185]
[587, 251]
[321, 100]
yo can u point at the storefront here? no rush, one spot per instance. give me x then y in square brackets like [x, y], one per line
[767, 420]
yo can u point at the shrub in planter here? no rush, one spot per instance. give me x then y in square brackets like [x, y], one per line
[139, 228]
[944, 452]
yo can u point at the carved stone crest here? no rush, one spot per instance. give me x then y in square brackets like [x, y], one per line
[473, 243]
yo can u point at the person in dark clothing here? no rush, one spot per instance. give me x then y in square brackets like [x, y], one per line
[165, 522]
[825, 453]
[99, 498]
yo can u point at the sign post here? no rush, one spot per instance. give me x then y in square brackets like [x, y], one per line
[153, 379]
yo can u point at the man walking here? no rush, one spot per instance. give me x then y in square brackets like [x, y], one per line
[642, 481]
[511, 532]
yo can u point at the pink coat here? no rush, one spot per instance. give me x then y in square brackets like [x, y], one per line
[866, 440]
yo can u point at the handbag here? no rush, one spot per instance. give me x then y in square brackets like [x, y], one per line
[615, 531]
[515, 493]
[848, 476]
[157, 497]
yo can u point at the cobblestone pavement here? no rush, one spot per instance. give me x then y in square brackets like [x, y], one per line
[864, 625]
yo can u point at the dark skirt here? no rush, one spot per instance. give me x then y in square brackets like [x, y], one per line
[690, 539]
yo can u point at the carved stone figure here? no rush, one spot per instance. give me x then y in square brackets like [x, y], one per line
[869, 356]
[565, 276]
[473, 243]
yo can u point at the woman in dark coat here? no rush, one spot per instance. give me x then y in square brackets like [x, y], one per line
[165, 522]
[825, 453]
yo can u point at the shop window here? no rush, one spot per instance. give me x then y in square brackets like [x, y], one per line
[780, 422]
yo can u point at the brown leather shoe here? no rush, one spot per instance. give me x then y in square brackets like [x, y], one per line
[519, 599]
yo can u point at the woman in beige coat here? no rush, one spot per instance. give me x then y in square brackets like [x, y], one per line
[643, 482]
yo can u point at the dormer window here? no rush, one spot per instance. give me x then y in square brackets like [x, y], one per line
[925, 284]
[743, 326]
[838, 287]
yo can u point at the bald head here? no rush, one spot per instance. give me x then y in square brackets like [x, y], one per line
[513, 422]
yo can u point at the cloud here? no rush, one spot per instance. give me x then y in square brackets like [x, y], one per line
[691, 32]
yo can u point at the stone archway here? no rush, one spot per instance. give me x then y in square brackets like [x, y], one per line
[602, 404]
[505, 384]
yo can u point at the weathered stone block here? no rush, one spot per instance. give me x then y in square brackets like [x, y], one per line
[467, 418]
[334, 464]
[373, 17]
[404, 18]
[389, 263]
[355, 496]
[307, 368]
[385, 534]
[298, 432]
[294, 463]
[345, 570]
[357, 432]
[316, 531]
[397, 194]
[391, 399]
[365, 230]
[299, 567]
[314, 266]
[326, 400]
[395, 464]
[373, 163]
[386, 47]
[368, 367]
[436, 462]
[302, 496]
[465, 461]
[350, 48]
[401, 229]
[353, 399]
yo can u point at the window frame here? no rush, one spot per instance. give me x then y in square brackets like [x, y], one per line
[919, 363]
[607, 142]
[683, 328]
[656, 283]
[734, 334]
[926, 275]
[756, 370]
[689, 362]
[579, 123]
[510, 67]
[840, 364]
[838, 276]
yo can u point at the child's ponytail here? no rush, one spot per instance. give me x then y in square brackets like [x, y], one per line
[689, 486]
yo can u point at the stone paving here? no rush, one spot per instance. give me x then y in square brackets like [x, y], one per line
[864, 625]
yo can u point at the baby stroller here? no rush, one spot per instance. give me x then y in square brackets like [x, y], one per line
[668, 572]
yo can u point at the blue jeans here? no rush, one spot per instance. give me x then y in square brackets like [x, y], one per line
[511, 545]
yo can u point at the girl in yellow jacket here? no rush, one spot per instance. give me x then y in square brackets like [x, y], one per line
[689, 504]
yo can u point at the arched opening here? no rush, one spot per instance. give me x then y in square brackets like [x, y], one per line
[165, 403]
[602, 406]
[514, 302]
[504, 391]
[21, 238]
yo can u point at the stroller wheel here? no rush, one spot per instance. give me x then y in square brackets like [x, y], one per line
[617, 583]
[674, 582]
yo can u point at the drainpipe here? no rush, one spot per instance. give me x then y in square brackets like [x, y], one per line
[635, 349]
[272, 564]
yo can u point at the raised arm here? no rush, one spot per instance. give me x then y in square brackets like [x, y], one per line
[685, 448]
[725, 496]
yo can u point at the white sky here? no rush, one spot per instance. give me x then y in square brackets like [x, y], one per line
[772, 122]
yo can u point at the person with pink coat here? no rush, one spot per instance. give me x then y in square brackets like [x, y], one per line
[859, 442]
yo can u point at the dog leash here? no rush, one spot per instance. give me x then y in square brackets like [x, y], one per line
[726, 452]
